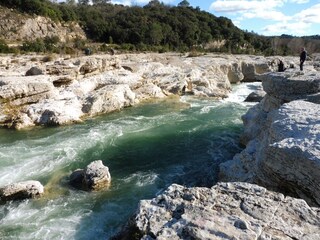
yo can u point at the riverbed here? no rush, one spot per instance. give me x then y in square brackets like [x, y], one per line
[146, 147]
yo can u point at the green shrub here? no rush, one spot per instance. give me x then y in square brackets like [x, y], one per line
[4, 48]
[33, 46]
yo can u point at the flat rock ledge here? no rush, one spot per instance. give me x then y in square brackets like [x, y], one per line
[95, 176]
[70, 90]
[21, 190]
[282, 136]
[225, 211]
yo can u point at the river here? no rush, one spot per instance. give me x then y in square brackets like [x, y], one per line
[146, 147]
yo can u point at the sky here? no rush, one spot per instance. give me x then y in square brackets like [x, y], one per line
[265, 17]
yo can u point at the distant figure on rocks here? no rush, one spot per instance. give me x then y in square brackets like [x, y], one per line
[303, 56]
[281, 67]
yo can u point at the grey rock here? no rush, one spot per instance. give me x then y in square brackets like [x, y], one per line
[21, 190]
[281, 136]
[256, 96]
[34, 71]
[108, 99]
[26, 27]
[291, 86]
[95, 176]
[74, 89]
[226, 211]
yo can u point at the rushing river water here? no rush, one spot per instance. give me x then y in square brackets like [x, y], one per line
[146, 147]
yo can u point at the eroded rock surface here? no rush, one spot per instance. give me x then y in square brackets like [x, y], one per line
[282, 138]
[21, 190]
[72, 89]
[26, 27]
[94, 177]
[226, 211]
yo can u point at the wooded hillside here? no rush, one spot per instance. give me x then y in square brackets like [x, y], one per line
[155, 26]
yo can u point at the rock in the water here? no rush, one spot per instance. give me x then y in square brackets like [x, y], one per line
[94, 177]
[256, 96]
[226, 211]
[34, 71]
[21, 190]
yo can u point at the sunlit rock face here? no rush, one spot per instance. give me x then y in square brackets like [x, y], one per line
[21, 190]
[282, 135]
[71, 89]
[95, 176]
[225, 211]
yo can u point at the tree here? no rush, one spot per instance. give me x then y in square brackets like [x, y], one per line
[83, 2]
[100, 1]
[184, 3]
[155, 34]
[154, 3]
[71, 2]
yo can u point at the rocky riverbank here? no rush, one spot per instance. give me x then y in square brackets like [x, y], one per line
[225, 211]
[282, 153]
[282, 136]
[64, 90]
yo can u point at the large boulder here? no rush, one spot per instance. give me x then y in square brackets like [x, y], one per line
[34, 71]
[226, 211]
[255, 96]
[21, 190]
[108, 99]
[281, 138]
[289, 86]
[94, 177]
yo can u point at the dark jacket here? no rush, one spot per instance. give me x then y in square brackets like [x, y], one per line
[303, 56]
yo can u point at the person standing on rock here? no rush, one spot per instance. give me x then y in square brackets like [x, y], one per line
[303, 57]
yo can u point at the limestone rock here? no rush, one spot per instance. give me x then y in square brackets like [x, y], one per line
[55, 112]
[108, 99]
[145, 91]
[235, 74]
[255, 96]
[289, 86]
[21, 190]
[75, 88]
[282, 150]
[12, 88]
[94, 177]
[280, 88]
[289, 155]
[226, 211]
[28, 28]
[34, 71]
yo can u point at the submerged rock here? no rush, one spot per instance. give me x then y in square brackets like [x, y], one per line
[255, 96]
[94, 177]
[21, 190]
[226, 211]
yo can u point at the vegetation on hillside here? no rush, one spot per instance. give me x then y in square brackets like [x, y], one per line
[155, 26]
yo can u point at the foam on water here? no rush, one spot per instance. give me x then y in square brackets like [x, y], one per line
[146, 148]
[141, 179]
[241, 91]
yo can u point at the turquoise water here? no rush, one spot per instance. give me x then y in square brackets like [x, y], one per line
[146, 147]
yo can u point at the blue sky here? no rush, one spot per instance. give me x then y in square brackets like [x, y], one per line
[266, 17]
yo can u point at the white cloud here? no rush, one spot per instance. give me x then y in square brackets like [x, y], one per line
[244, 5]
[267, 15]
[296, 28]
[137, 2]
[299, 1]
[309, 15]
